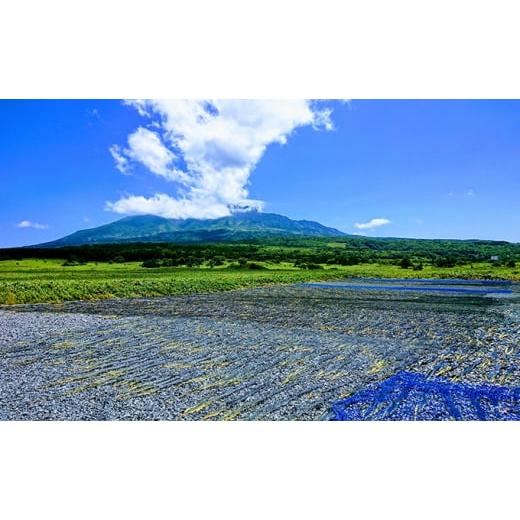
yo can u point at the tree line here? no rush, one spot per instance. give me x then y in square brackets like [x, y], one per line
[303, 252]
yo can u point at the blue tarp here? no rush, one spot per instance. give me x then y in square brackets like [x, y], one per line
[415, 288]
[435, 281]
[410, 396]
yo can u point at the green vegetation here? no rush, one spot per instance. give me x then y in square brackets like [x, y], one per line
[31, 281]
[53, 280]
[299, 250]
[29, 275]
[239, 227]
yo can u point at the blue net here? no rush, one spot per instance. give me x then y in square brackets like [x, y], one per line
[409, 396]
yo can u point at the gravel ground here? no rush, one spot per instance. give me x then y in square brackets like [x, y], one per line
[269, 353]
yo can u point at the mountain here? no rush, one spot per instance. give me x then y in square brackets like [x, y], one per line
[240, 226]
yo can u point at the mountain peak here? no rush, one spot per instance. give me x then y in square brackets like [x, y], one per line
[239, 226]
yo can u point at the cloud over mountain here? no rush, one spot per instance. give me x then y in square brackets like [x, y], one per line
[209, 149]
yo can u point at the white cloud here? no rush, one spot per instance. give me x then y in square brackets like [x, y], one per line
[210, 148]
[147, 148]
[121, 161]
[468, 193]
[29, 224]
[170, 207]
[375, 222]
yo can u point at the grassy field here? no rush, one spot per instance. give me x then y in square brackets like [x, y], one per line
[34, 281]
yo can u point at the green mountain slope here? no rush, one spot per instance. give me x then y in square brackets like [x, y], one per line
[241, 226]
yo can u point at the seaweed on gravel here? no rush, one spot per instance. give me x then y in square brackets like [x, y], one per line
[281, 352]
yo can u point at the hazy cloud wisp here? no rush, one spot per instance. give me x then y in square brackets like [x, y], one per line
[375, 222]
[29, 224]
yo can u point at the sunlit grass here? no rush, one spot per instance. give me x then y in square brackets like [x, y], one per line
[33, 281]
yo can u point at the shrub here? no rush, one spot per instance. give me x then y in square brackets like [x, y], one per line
[445, 262]
[218, 260]
[191, 261]
[405, 263]
[307, 265]
[254, 265]
[153, 263]
[72, 261]
[313, 266]
[233, 265]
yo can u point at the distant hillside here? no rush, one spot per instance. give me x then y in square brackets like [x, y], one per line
[241, 226]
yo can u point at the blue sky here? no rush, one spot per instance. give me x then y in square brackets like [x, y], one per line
[430, 169]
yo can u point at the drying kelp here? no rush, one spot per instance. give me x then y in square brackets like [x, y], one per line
[269, 353]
